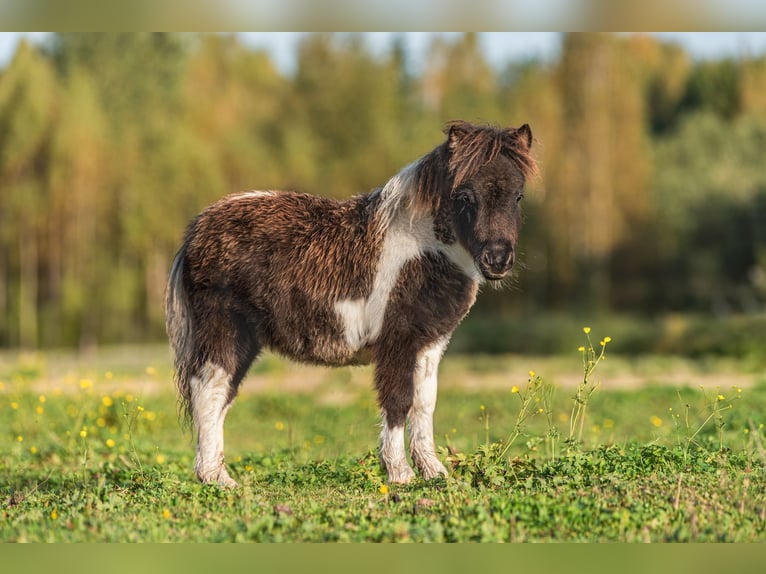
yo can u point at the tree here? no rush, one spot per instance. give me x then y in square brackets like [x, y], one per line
[598, 182]
[458, 83]
[712, 191]
[348, 102]
[27, 108]
[137, 83]
[79, 247]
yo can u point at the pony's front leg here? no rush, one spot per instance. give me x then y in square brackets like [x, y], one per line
[393, 380]
[422, 448]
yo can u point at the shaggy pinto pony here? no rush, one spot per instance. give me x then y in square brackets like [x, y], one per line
[384, 277]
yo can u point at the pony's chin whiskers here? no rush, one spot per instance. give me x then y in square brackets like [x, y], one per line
[499, 284]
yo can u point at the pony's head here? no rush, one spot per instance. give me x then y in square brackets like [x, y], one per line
[473, 184]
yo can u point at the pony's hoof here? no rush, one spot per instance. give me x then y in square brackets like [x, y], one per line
[401, 476]
[219, 477]
[433, 469]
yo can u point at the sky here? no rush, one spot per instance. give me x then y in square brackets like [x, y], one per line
[499, 47]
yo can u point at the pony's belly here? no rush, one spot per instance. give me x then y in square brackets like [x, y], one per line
[321, 350]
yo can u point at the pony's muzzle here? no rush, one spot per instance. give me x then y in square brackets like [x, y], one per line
[496, 259]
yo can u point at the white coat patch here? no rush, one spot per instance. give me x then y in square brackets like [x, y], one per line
[362, 319]
[405, 239]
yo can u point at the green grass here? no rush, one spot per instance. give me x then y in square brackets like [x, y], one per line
[91, 450]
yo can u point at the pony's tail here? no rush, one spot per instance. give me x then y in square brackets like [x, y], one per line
[178, 324]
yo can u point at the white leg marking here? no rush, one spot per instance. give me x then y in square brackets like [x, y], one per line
[392, 453]
[210, 393]
[422, 446]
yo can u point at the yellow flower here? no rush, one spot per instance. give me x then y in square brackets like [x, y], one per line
[656, 421]
[531, 374]
[151, 371]
[140, 409]
[14, 405]
[83, 432]
[581, 349]
[586, 330]
[514, 389]
[160, 459]
[608, 423]
[110, 443]
[165, 513]
[721, 398]
[107, 401]
[101, 422]
[33, 449]
[86, 384]
[279, 425]
[54, 515]
[41, 398]
[20, 438]
[383, 489]
[39, 410]
[540, 410]
[607, 339]
[481, 407]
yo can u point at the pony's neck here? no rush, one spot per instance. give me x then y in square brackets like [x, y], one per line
[398, 193]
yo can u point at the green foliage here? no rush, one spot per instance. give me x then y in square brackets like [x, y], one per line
[738, 336]
[92, 451]
[96, 462]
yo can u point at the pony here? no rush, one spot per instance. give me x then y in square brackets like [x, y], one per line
[383, 277]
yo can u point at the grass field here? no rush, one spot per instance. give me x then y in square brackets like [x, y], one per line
[664, 450]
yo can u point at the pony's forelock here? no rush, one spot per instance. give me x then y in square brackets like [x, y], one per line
[472, 147]
[467, 149]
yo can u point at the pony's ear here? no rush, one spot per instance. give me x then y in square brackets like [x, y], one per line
[524, 135]
[455, 131]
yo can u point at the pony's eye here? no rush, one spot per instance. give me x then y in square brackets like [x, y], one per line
[519, 198]
[465, 197]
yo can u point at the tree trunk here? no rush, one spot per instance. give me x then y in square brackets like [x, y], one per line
[28, 290]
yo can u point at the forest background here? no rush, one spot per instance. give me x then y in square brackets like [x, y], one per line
[649, 215]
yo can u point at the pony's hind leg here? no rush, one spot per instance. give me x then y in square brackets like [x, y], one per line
[211, 397]
[213, 389]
